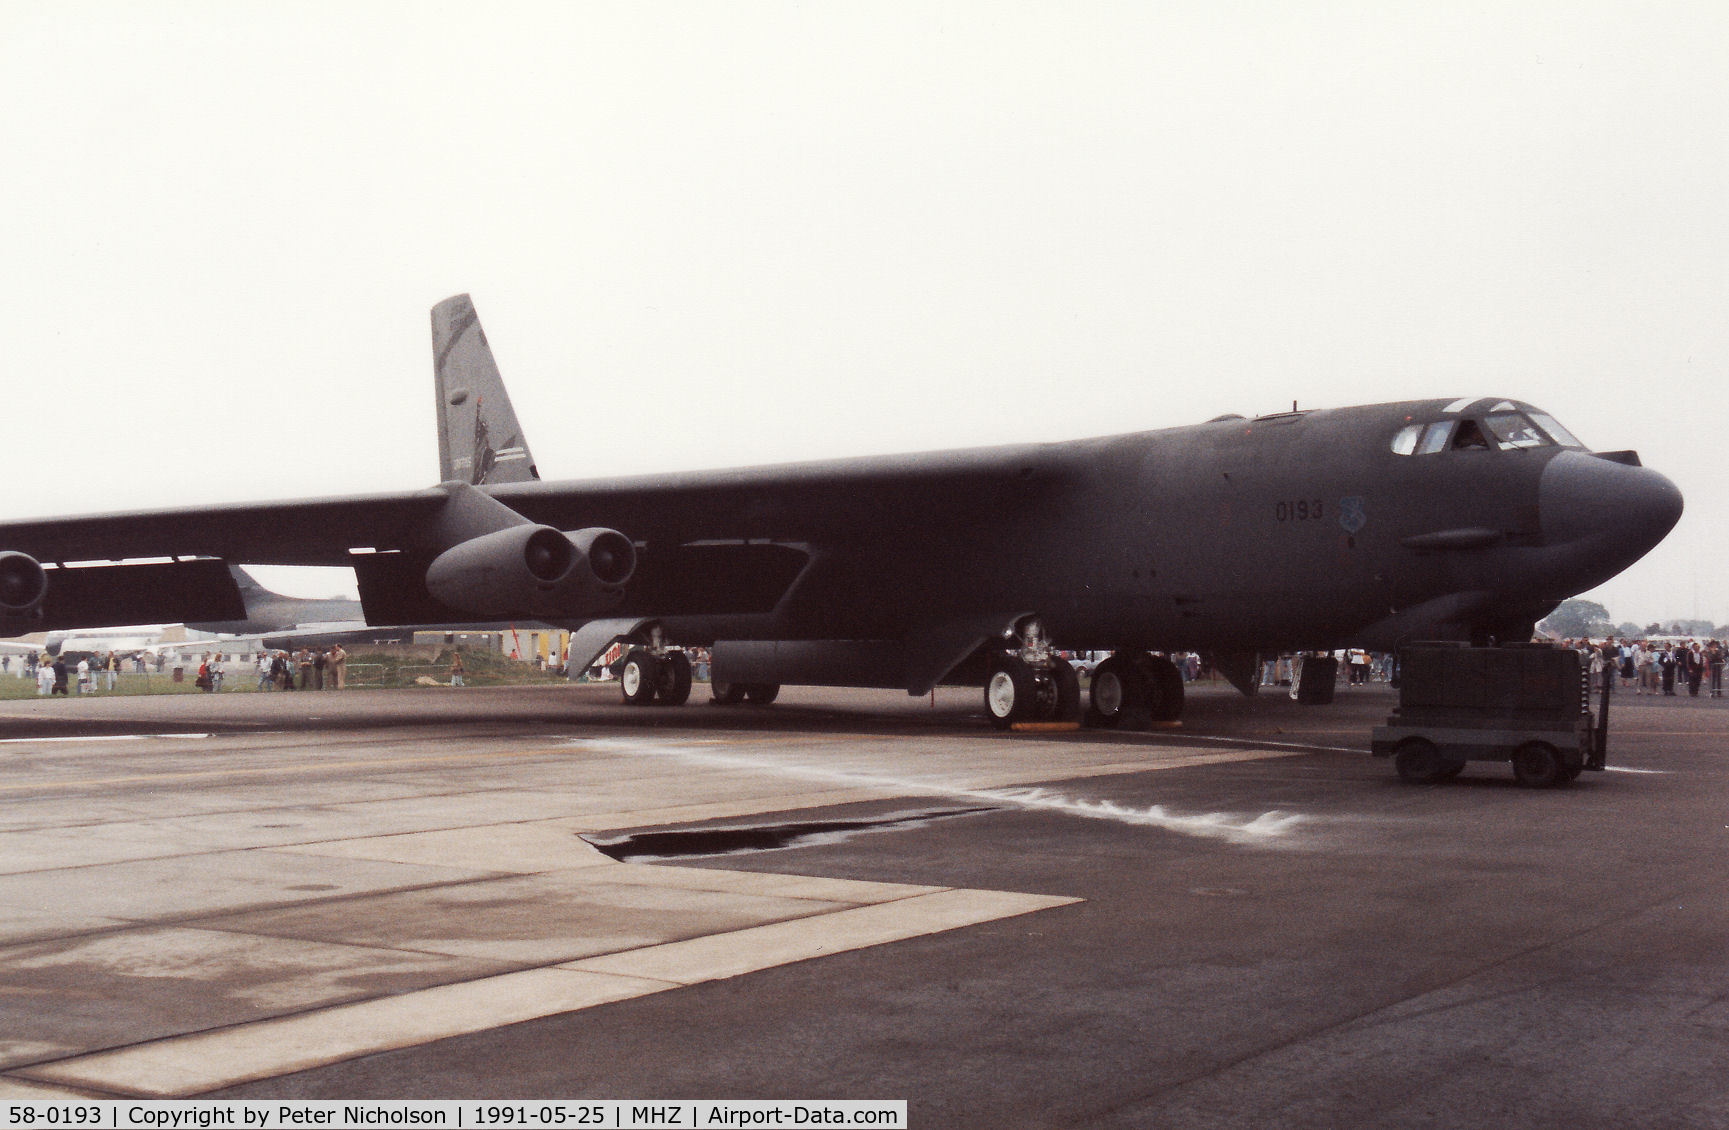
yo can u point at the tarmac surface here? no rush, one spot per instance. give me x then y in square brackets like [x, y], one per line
[1242, 921]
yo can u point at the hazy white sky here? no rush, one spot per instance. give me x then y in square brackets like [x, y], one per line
[715, 234]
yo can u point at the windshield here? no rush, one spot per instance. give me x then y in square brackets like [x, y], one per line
[1512, 430]
[1504, 430]
[1556, 432]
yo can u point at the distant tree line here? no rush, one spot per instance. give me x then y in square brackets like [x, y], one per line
[1576, 619]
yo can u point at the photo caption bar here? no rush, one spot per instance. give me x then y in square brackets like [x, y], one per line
[609, 1114]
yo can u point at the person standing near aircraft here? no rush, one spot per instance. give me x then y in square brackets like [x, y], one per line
[1359, 667]
[44, 679]
[338, 667]
[456, 671]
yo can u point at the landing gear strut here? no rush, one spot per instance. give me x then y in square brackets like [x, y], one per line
[1029, 682]
[654, 672]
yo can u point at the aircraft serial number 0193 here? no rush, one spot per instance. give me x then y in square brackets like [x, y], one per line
[1303, 511]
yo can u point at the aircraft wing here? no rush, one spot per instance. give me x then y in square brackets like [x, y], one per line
[304, 532]
[814, 505]
[836, 500]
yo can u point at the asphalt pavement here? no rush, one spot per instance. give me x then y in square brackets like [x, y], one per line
[1245, 920]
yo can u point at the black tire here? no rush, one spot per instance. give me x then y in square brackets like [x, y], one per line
[726, 694]
[761, 694]
[1419, 762]
[1537, 765]
[1452, 770]
[1118, 692]
[1011, 693]
[1165, 702]
[672, 681]
[639, 677]
[1068, 683]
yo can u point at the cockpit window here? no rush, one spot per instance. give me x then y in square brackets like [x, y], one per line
[1503, 430]
[1556, 432]
[1435, 438]
[1512, 430]
[1423, 439]
[1469, 437]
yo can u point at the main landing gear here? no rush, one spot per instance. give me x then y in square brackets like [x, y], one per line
[1029, 682]
[757, 694]
[1132, 690]
[647, 677]
[654, 672]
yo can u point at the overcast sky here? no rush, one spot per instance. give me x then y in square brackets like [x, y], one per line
[730, 233]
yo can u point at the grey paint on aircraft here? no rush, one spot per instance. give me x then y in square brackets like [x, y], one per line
[1295, 531]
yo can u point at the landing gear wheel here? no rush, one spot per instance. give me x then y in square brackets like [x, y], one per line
[637, 678]
[1119, 693]
[1068, 684]
[1419, 762]
[761, 694]
[672, 680]
[1011, 692]
[1166, 703]
[1537, 765]
[727, 694]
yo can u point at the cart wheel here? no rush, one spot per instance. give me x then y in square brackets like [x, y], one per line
[1452, 770]
[1419, 762]
[1537, 765]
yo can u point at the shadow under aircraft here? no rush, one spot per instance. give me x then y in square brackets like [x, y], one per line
[1463, 519]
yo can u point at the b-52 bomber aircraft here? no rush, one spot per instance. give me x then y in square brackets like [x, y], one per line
[1459, 519]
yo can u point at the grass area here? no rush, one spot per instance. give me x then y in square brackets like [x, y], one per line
[365, 669]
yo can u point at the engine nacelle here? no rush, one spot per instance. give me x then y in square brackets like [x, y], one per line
[536, 570]
[23, 584]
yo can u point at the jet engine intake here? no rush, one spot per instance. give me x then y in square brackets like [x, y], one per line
[531, 569]
[23, 584]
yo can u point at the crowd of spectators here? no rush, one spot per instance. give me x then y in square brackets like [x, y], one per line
[1658, 667]
[305, 669]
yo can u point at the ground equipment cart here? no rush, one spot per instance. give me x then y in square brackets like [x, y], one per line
[1528, 704]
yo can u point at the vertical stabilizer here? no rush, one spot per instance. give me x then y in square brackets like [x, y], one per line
[479, 440]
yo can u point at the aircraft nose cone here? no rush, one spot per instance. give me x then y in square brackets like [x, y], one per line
[1619, 511]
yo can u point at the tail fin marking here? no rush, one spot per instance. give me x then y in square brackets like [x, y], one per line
[473, 407]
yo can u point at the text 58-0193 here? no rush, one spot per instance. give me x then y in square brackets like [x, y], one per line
[55, 1116]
